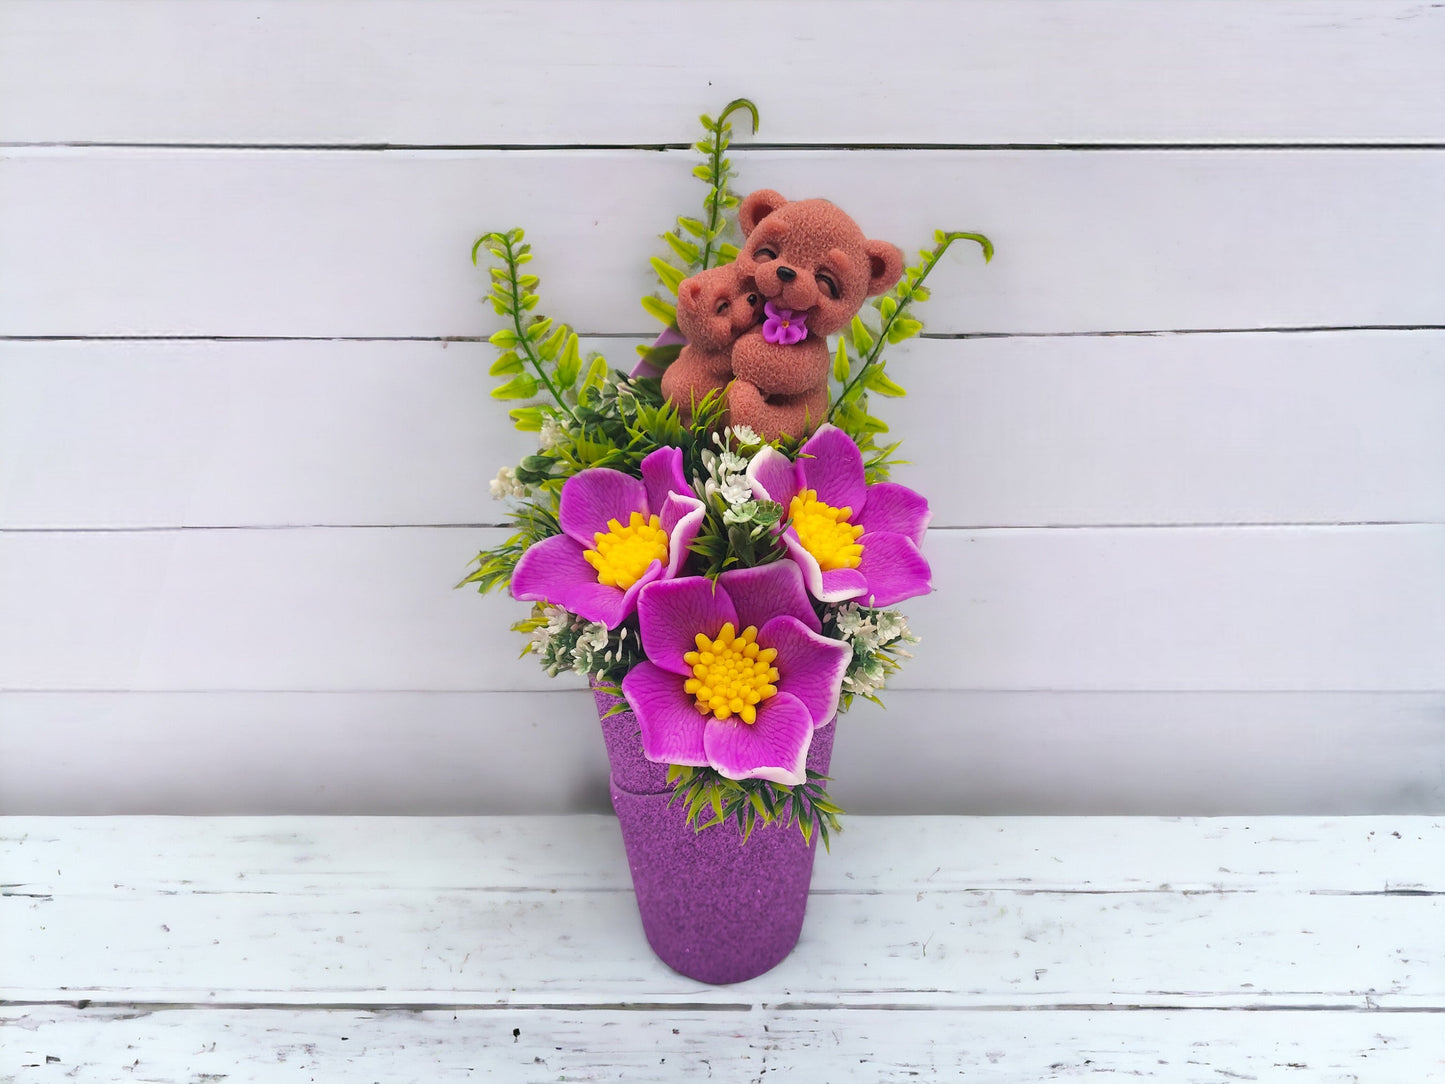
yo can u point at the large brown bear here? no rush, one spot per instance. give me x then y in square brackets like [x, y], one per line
[810, 260]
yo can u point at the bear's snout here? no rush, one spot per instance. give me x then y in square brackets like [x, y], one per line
[783, 285]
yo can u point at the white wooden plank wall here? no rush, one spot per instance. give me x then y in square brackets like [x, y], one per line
[1183, 435]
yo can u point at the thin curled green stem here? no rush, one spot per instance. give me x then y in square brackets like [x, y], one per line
[904, 301]
[719, 191]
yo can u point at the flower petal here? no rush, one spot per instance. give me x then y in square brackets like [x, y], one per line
[894, 569]
[836, 585]
[554, 570]
[895, 509]
[768, 591]
[773, 475]
[591, 497]
[672, 728]
[661, 475]
[810, 665]
[673, 612]
[681, 518]
[832, 464]
[775, 747]
[628, 603]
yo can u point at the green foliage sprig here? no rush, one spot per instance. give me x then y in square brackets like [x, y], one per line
[699, 243]
[534, 520]
[550, 350]
[858, 363]
[753, 801]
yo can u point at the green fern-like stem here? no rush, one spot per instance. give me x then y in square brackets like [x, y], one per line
[905, 299]
[719, 177]
[526, 345]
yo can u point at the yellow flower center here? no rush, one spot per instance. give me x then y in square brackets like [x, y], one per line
[731, 675]
[623, 553]
[825, 531]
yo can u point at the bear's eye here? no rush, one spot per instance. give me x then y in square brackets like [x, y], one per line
[752, 299]
[722, 306]
[765, 254]
[827, 283]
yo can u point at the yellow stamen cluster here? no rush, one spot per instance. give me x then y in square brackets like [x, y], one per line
[825, 531]
[623, 553]
[731, 675]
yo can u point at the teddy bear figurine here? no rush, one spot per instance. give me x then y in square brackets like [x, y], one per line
[714, 307]
[813, 269]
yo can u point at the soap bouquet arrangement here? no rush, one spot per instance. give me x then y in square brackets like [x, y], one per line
[712, 538]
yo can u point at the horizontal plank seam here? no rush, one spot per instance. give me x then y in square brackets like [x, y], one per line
[9, 690]
[735, 148]
[1180, 525]
[143, 1007]
[1302, 329]
[311, 891]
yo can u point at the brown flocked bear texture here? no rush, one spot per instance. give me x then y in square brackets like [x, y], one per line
[714, 307]
[809, 257]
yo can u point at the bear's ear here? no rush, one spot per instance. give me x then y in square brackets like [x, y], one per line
[885, 266]
[756, 206]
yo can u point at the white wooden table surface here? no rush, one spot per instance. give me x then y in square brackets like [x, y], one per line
[424, 949]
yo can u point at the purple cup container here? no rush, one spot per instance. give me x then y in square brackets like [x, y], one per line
[713, 908]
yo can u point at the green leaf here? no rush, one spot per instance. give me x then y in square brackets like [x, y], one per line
[887, 306]
[548, 350]
[671, 276]
[538, 328]
[905, 327]
[660, 356]
[702, 173]
[685, 250]
[570, 363]
[877, 380]
[693, 226]
[521, 386]
[840, 362]
[506, 364]
[504, 339]
[862, 341]
[596, 372]
[660, 309]
[528, 419]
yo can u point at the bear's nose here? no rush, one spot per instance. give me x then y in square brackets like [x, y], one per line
[787, 274]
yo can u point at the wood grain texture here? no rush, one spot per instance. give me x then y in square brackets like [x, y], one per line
[1252, 428]
[420, 949]
[217, 927]
[989, 72]
[435, 753]
[353, 244]
[750, 1043]
[1287, 608]
[140, 856]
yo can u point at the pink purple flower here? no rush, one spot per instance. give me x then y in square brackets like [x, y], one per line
[619, 534]
[738, 674]
[784, 325]
[852, 540]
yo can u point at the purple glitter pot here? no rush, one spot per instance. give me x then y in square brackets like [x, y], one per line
[713, 908]
[630, 769]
